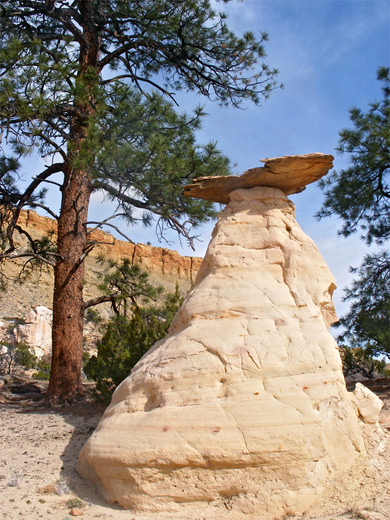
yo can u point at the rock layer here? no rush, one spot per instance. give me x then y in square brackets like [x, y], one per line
[243, 405]
[156, 260]
[36, 330]
[165, 267]
[290, 174]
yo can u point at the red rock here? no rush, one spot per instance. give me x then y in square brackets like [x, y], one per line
[157, 260]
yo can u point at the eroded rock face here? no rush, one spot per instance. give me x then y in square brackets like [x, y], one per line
[368, 404]
[156, 260]
[290, 174]
[244, 404]
[165, 267]
[36, 331]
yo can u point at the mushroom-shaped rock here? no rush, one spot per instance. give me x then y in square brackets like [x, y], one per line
[243, 406]
[290, 174]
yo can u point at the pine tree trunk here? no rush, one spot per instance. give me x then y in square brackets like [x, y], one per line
[68, 305]
[65, 379]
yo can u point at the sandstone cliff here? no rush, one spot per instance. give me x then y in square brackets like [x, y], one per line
[165, 267]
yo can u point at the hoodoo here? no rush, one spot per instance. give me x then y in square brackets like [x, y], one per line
[243, 406]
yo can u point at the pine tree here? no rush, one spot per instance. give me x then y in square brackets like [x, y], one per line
[360, 196]
[90, 86]
[142, 316]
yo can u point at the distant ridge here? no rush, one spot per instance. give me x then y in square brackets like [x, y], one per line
[165, 266]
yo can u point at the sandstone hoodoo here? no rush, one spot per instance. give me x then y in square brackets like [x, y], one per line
[243, 406]
[291, 174]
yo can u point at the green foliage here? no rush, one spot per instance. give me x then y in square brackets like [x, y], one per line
[126, 339]
[357, 360]
[91, 84]
[16, 355]
[360, 196]
[86, 358]
[126, 286]
[367, 323]
[25, 356]
[90, 87]
[43, 366]
[74, 502]
[93, 316]
[22, 355]
[149, 148]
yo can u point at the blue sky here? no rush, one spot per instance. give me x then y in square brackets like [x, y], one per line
[327, 52]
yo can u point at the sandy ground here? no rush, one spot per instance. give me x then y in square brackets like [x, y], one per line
[39, 448]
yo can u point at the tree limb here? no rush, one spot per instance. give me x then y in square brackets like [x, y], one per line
[98, 300]
[99, 185]
[54, 168]
[105, 223]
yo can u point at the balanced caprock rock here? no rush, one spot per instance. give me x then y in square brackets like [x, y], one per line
[243, 406]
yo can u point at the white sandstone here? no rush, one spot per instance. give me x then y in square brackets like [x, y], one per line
[368, 404]
[243, 405]
[36, 330]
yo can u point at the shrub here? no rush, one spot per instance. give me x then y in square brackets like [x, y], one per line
[7, 355]
[13, 355]
[357, 360]
[25, 356]
[43, 365]
[126, 340]
[92, 316]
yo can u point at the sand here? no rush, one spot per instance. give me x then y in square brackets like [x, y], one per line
[39, 447]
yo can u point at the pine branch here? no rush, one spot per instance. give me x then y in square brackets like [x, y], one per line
[33, 256]
[98, 300]
[105, 222]
[100, 185]
[54, 168]
[46, 208]
[61, 14]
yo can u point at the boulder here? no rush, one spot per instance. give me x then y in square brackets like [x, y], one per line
[243, 406]
[368, 404]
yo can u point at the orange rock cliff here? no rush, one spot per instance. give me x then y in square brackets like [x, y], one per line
[165, 266]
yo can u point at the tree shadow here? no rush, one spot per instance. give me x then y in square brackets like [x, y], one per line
[79, 420]
[83, 418]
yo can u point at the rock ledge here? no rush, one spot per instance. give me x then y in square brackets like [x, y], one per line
[290, 174]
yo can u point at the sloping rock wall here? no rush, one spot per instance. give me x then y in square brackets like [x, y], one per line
[243, 406]
[155, 259]
[165, 267]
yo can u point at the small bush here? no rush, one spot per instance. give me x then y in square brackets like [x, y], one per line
[74, 503]
[13, 356]
[43, 365]
[92, 316]
[25, 356]
[86, 358]
[357, 360]
[6, 358]
[126, 340]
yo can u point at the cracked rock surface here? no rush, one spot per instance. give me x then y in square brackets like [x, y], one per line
[243, 406]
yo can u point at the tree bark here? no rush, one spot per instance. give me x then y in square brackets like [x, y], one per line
[68, 309]
[68, 306]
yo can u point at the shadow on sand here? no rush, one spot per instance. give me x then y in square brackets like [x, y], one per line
[80, 419]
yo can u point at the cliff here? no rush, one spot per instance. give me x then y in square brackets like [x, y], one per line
[165, 267]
